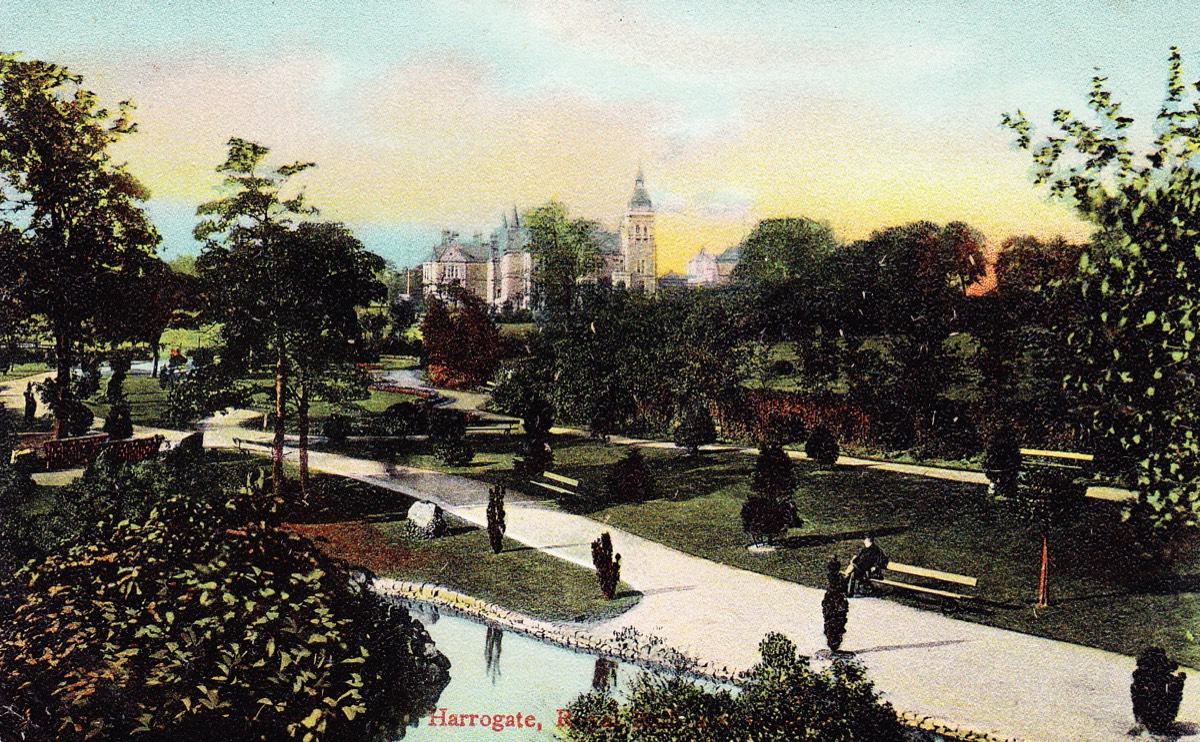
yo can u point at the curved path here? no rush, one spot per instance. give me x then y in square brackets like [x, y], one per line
[982, 678]
[979, 677]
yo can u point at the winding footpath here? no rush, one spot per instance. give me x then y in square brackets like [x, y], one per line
[987, 680]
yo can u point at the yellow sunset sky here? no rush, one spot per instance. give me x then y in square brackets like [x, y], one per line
[442, 115]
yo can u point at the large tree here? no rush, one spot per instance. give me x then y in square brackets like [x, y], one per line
[564, 250]
[902, 293]
[328, 276]
[74, 235]
[462, 347]
[782, 275]
[1021, 328]
[242, 262]
[1141, 280]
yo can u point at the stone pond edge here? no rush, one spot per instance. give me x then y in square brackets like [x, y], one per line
[649, 653]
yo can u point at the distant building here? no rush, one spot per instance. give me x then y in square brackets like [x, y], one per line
[726, 262]
[499, 270]
[672, 280]
[458, 262]
[637, 242]
[705, 270]
[702, 269]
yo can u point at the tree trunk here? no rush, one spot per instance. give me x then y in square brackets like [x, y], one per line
[155, 347]
[1043, 595]
[62, 381]
[302, 420]
[277, 441]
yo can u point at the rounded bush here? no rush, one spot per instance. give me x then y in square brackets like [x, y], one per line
[822, 447]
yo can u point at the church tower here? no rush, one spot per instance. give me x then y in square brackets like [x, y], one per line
[637, 241]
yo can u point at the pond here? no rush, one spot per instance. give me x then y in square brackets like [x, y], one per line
[496, 673]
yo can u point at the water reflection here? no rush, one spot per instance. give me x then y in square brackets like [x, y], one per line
[604, 676]
[491, 652]
[538, 680]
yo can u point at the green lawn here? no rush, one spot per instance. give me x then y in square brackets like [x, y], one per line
[938, 524]
[26, 369]
[364, 525]
[264, 400]
[187, 340]
[397, 363]
[147, 402]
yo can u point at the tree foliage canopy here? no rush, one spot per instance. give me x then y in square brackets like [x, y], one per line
[1140, 279]
[75, 241]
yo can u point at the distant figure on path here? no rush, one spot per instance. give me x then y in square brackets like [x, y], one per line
[30, 404]
[869, 563]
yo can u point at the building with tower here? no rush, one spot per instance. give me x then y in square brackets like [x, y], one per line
[500, 268]
[637, 242]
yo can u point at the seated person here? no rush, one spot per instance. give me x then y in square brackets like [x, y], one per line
[868, 564]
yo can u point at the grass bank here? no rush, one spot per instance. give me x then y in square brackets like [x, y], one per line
[944, 525]
[365, 526]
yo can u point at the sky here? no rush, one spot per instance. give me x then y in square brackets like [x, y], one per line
[432, 115]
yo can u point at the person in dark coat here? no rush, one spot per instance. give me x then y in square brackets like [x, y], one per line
[30, 404]
[868, 564]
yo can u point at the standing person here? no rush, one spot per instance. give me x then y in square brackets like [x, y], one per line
[30, 404]
[869, 563]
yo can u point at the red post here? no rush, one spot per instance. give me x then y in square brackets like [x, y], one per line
[1043, 598]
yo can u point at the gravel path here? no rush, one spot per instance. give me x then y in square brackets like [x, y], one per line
[981, 678]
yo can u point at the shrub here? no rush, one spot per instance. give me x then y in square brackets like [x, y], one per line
[72, 418]
[630, 479]
[695, 428]
[203, 357]
[538, 418]
[1002, 460]
[404, 419]
[779, 429]
[202, 621]
[119, 423]
[336, 429]
[835, 608]
[537, 457]
[773, 477]
[454, 451]
[782, 369]
[120, 362]
[822, 447]
[88, 382]
[448, 438]
[202, 392]
[780, 698]
[608, 565]
[495, 518]
[766, 520]
[1157, 690]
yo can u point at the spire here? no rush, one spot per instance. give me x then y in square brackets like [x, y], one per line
[516, 222]
[640, 200]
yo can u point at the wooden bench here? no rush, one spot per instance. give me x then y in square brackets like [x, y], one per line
[555, 481]
[506, 428]
[932, 575]
[1078, 462]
